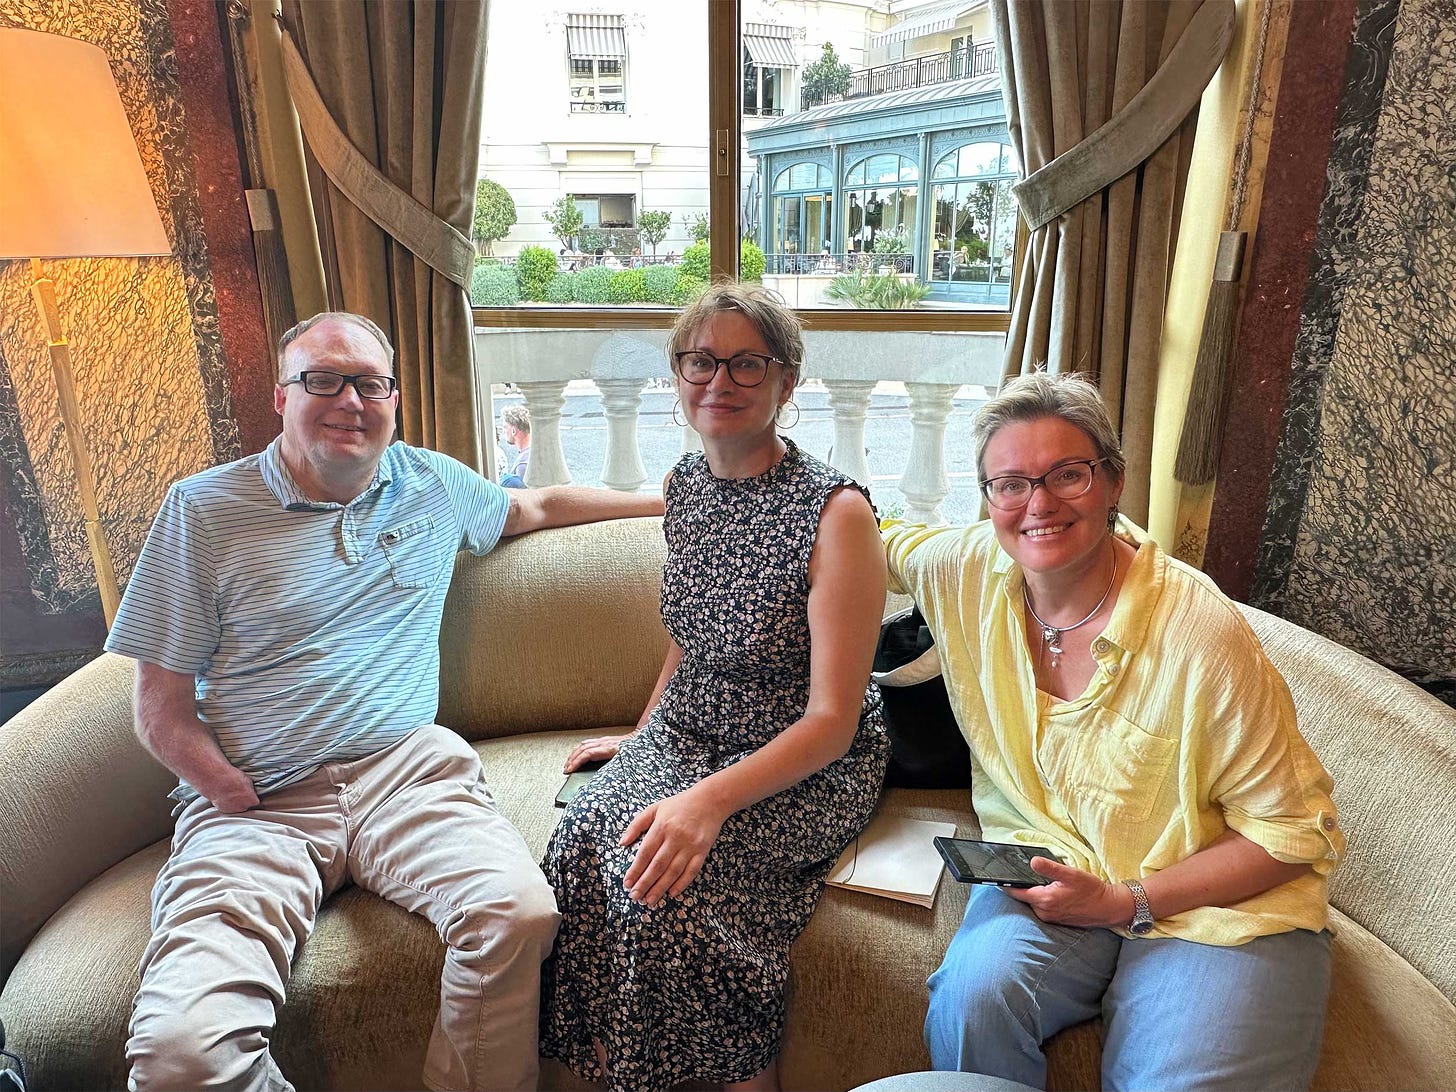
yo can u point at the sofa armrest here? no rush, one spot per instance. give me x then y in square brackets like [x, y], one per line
[555, 629]
[79, 794]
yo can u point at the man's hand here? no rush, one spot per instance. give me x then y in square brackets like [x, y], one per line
[231, 791]
[1074, 897]
[676, 834]
[167, 725]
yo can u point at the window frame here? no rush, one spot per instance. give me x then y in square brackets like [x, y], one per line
[725, 139]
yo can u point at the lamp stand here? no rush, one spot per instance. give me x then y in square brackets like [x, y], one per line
[45, 300]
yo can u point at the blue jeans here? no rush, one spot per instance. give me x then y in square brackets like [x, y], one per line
[1176, 1015]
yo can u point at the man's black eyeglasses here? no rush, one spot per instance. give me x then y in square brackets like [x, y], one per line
[328, 384]
[745, 369]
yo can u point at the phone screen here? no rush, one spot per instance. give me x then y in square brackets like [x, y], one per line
[992, 862]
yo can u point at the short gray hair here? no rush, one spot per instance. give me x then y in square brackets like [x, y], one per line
[348, 318]
[777, 325]
[1034, 397]
[518, 417]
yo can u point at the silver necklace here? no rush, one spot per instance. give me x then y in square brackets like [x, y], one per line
[1051, 636]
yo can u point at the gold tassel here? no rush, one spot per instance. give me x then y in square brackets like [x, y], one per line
[1203, 421]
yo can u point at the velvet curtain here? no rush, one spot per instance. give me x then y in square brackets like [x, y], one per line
[389, 97]
[1102, 100]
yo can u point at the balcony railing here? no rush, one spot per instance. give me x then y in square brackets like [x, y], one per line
[626, 364]
[819, 264]
[958, 64]
[598, 106]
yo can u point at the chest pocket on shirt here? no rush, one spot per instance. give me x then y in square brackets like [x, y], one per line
[413, 553]
[1120, 770]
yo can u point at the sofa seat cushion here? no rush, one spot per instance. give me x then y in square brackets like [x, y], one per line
[857, 977]
[364, 990]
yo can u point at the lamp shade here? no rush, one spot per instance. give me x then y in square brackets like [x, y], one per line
[71, 181]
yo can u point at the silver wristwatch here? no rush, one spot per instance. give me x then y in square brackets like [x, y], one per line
[1142, 918]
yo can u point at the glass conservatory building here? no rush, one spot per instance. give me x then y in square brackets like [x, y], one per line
[918, 180]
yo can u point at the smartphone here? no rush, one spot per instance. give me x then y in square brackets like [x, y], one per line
[1001, 863]
[577, 780]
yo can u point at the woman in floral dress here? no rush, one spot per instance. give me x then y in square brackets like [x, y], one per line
[686, 869]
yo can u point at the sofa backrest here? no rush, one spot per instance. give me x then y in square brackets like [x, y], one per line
[557, 629]
[1391, 749]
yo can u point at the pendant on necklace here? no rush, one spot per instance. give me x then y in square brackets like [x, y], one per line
[1052, 638]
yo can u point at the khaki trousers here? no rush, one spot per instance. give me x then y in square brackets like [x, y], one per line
[239, 894]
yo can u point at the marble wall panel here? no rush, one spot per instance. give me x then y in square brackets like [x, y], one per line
[1360, 539]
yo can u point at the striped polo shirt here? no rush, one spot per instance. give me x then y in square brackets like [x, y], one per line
[312, 628]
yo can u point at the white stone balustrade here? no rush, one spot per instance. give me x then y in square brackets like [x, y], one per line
[933, 366]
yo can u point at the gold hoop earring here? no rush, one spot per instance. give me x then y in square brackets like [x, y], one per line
[787, 405]
[676, 404]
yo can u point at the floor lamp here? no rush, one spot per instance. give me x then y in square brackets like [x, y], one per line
[71, 186]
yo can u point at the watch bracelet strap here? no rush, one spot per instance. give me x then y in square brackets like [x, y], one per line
[1139, 899]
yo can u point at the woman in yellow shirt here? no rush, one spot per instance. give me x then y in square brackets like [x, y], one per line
[1120, 712]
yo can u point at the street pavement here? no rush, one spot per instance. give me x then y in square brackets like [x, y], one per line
[887, 436]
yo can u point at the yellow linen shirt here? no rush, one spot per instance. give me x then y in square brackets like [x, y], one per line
[1185, 730]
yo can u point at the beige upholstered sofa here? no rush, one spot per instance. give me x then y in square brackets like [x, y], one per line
[556, 636]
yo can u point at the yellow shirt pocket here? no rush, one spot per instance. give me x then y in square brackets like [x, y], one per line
[1116, 772]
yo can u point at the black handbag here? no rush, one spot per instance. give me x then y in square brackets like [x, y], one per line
[927, 750]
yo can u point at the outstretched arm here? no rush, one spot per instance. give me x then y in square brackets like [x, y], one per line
[167, 725]
[846, 600]
[564, 505]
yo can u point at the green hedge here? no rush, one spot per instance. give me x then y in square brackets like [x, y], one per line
[686, 289]
[751, 262]
[660, 280]
[696, 261]
[628, 286]
[535, 270]
[562, 288]
[494, 286]
[593, 285]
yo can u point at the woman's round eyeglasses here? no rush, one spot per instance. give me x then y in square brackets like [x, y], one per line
[1066, 481]
[745, 369]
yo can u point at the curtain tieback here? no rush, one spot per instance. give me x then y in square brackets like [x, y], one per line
[1136, 131]
[417, 228]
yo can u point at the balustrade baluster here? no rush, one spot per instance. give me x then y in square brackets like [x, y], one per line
[925, 485]
[622, 464]
[849, 399]
[544, 401]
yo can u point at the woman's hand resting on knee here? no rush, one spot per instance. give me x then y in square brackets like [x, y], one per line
[676, 834]
[1074, 897]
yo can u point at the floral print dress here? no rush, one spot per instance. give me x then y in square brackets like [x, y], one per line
[693, 989]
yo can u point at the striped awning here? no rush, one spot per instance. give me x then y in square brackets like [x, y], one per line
[595, 37]
[931, 20]
[769, 46]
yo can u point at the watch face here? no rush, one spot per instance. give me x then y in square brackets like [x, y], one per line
[1140, 928]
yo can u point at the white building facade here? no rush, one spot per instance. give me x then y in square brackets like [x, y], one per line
[609, 103]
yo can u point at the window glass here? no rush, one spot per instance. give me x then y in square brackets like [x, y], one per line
[975, 223]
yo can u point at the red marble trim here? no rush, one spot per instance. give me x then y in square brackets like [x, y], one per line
[206, 98]
[1309, 94]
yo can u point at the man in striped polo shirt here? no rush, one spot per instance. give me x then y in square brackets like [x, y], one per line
[285, 616]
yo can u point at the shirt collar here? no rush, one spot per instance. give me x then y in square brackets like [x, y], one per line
[280, 483]
[1141, 589]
